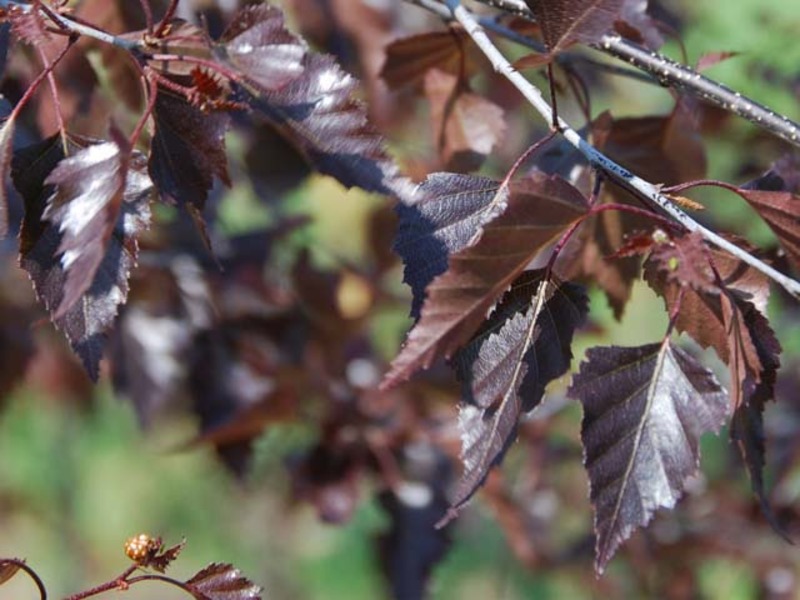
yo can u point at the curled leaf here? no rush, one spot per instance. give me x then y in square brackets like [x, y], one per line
[222, 582]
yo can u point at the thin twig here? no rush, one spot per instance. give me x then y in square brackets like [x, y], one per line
[148, 15]
[566, 60]
[22, 565]
[599, 160]
[169, 14]
[679, 76]
[51, 80]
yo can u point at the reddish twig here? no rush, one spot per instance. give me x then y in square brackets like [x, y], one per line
[148, 15]
[51, 80]
[169, 14]
[118, 583]
[39, 79]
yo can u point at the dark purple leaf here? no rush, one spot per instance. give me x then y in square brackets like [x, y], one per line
[222, 582]
[448, 215]
[539, 209]
[645, 409]
[320, 114]
[87, 322]
[523, 346]
[188, 151]
[409, 59]
[88, 187]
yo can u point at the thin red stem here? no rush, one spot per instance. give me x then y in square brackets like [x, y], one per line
[533, 148]
[169, 14]
[164, 578]
[676, 309]
[120, 582]
[700, 182]
[148, 15]
[51, 80]
[152, 95]
[23, 566]
[39, 79]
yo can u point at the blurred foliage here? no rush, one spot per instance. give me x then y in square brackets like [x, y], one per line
[77, 476]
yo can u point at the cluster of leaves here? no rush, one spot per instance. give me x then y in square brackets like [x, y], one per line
[498, 268]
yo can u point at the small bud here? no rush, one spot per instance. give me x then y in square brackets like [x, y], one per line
[141, 548]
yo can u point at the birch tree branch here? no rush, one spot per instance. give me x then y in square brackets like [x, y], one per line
[679, 76]
[599, 160]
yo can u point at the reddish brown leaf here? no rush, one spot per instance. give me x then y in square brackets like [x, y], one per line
[258, 44]
[708, 60]
[781, 211]
[721, 306]
[645, 410]
[567, 22]
[7, 571]
[409, 59]
[539, 209]
[466, 125]
[222, 582]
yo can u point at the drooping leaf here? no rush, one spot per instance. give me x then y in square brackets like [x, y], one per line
[258, 45]
[446, 218]
[409, 59]
[466, 125]
[222, 582]
[86, 323]
[645, 409]
[567, 22]
[6, 151]
[7, 571]
[504, 369]
[539, 209]
[722, 302]
[753, 363]
[776, 197]
[84, 207]
[188, 151]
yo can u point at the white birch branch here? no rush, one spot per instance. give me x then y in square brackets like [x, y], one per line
[599, 160]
